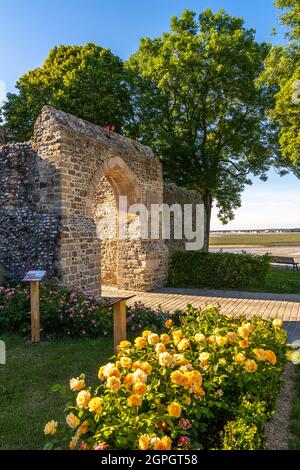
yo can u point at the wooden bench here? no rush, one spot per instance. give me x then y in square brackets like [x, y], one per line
[285, 260]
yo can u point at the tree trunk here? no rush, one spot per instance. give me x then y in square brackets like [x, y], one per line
[207, 201]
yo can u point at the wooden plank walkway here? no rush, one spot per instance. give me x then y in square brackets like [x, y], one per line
[266, 305]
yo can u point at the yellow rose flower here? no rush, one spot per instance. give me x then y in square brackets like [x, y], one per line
[51, 427]
[245, 330]
[96, 405]
[128, 380]
[101, 375]
[244, 343]
[140, 342]
[146, 367]
[136, 365]
[125, 362]
[195, 377]
[113, 372]
[160, 348]
[174, 409]
[169, 324]
[124, 345]
[221, 340]
[73, 443]
[72, 421]
[83, 398]
[239, 358]
[198, 390]
[107, 368]
[139, 388]
[177, 377]
[113, 383]
[144, 442]
[146, 333]
[204, 356]
[199, 338]
[177, 336]
[211, 339]
[153, 339]
[83, 429]
[222, 361]
[271, 357]
[183, 344]
[260, 354]
[277, 323]
[250, 366]
[179, 359]
[164, 443]
[165, 359]
[77, 384]
[232, 336]
[134, 400]
[165, 339]
[186, 400]
[140, 376]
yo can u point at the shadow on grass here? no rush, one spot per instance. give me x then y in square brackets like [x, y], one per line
[26, 400]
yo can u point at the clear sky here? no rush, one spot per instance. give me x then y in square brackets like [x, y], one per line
[29, 29]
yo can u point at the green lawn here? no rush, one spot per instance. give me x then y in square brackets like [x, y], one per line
[26, 400]
[259, 239]
[294, 442]
[281, 281]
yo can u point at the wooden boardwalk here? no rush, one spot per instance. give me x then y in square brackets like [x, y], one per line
[265, 305]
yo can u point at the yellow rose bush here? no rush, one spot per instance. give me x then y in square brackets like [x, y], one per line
[173, 389]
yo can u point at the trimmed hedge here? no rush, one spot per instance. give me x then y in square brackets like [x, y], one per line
[217, 270]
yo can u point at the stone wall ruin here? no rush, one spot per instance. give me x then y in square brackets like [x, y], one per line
[50, 189]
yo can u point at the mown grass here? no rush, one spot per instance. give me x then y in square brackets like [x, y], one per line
[257, 239]
[26, 400]
[281, 281]
[294, 441]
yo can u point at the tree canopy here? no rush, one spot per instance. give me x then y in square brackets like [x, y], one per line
[198, 104]
[282, 73]
[87, 81]
[290, 17]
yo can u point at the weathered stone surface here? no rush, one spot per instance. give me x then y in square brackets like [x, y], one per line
[28, 234]
[50, 190]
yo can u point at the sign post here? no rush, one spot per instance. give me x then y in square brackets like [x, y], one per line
[34, 277]
[119, 319]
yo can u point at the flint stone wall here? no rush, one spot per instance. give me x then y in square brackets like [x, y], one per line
[28, 234]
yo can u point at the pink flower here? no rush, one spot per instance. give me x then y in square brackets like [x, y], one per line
[101, 446]
[185, 424]
[184, 442]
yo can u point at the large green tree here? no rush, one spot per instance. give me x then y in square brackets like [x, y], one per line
[197, 103]
[282, 73]
[87, 81]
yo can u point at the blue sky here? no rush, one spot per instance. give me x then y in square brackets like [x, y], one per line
[29, 29]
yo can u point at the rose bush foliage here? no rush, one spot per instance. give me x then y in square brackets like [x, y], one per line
[69, 311]
[205, 381]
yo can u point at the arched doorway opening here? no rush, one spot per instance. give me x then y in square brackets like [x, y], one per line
[112, 180]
